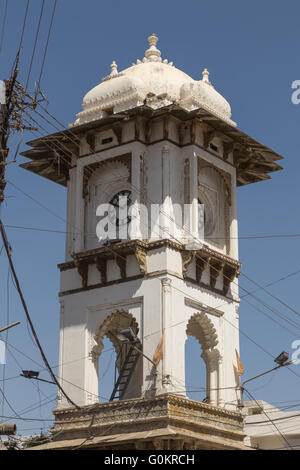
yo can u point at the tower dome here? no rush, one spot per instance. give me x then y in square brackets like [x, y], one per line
[155, 82]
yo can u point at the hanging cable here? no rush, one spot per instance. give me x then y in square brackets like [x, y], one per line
[6, 246]
[35, 43]
[46, 47]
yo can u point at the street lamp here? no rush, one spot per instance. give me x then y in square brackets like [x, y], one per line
[281, 360]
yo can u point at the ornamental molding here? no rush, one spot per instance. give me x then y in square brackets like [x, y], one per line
[109, 326]
[204, 308]
[202, 328]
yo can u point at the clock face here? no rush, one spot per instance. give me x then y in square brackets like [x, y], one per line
[119, 202]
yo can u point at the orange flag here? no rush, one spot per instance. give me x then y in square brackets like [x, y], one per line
[240, 367]
[158, 354]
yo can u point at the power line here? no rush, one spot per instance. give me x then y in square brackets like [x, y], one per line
[7, 332]
[273, 296]
[35, 43]
[28, 315]
[271, 421]
[24, 23]
[46, 47]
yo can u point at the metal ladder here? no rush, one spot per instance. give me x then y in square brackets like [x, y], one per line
[126, 372]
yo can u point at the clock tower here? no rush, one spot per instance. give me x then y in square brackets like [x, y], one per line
[151, 166]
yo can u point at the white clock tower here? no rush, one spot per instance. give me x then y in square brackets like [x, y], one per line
[164, 143]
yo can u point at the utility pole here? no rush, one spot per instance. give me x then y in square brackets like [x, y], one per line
[6, 111]
[11, 117]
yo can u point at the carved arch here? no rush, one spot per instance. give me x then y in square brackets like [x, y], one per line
[202, 328]
[221, 175]
[110, 326]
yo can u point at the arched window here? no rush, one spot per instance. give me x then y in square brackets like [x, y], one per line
[112, 357]
[195, 370]
[203, 332]
[107, 373]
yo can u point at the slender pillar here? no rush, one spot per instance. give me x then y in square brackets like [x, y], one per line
[167, 359]
[194, 196]
[165, 213]
[79, 210]
[136, 196]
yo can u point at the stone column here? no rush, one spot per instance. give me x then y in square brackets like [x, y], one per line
[211, 359]
[192, 226]
[136, 193]
[233, 221]
[61, 400]
[221, 394]
[79, 210]
[167, 359]
[166, 213]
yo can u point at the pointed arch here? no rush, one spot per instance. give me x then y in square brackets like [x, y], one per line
[202, 328]
[110, 326]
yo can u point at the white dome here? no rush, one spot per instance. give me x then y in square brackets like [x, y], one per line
[153, 81]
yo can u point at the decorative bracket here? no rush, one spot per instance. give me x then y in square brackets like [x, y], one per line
[228, 147]
[121, 262]
[166, 127]
[201, 264]
[208, 137]
[148, 129]
[141, 257]
[215, 270]
[187, 258]
[181, 129]
[101, 265]
[90, 140]
[193, 131]
[229, 273]
[137, 127]
[117, 129]
[83, 270]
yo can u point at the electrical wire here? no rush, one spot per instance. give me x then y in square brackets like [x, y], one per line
[6, 336]
[46, 47]
[24, 24]
[271, 421]
[2, 230]
[35, 43]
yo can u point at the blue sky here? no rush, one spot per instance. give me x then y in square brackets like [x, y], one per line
[252, 51]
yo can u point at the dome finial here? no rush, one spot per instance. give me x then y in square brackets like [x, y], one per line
[205, 76]
[152, 39]
[153, 54]
[113, 69]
